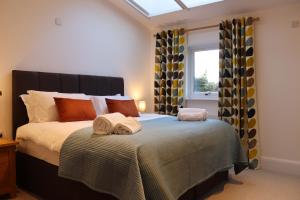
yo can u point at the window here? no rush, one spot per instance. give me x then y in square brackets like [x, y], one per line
[151, 8]
[194, 3]
[204, 77]
[202, 67]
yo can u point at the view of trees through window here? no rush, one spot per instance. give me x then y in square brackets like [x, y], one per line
[206, 77]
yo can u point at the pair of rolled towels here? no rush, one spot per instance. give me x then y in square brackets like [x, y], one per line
[115, 123]
[192, 114]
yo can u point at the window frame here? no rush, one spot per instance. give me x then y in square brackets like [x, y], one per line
[191, 95]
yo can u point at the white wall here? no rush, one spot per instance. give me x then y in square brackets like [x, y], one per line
[210, 105]
[278, 68]
[95, 38]
[277, 54]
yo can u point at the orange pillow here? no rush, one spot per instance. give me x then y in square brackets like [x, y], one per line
[126, 107]
[74, 109]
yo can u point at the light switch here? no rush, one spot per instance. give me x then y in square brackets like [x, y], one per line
[295, 23]
[58, 21]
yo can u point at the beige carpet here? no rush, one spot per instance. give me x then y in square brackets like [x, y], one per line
[250, 185]
[257, 185]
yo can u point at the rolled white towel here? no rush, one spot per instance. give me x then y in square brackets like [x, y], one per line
[193, 115]
[127, 126]
[105, 124]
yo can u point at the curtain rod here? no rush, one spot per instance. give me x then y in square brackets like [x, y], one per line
[208, 27]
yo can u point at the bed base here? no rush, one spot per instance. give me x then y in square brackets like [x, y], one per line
[40, 178]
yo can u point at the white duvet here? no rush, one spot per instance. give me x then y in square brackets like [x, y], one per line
[52, 135]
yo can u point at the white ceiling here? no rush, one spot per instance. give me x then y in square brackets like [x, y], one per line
[226, 7]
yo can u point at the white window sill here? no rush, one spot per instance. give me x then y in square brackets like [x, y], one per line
[201, 98]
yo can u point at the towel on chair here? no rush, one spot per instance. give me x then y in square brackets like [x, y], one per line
[127, 126]
[192, 114]
[105, 124]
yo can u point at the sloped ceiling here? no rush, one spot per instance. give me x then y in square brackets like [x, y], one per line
[226, 7]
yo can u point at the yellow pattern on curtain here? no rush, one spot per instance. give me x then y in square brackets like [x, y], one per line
[237, 89]
[169, 71]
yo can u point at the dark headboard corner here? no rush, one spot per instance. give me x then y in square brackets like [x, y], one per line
[67, 83]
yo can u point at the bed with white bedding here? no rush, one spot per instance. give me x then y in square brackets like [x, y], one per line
[162, 161]
[41, 143]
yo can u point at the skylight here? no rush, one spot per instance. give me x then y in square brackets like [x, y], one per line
[195, 3]
[155, 7]
[152, 8]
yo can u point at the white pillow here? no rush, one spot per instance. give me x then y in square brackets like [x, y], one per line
[26, 99]
[43, 104]
[100, 103]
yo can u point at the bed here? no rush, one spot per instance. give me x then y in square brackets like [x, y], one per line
[37, 169]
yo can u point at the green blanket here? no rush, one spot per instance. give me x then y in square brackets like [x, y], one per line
[161, 162]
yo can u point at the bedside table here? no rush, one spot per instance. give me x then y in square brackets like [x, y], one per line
[8, 167]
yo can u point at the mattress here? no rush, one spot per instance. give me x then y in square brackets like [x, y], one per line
[38, 151]
[44, 140]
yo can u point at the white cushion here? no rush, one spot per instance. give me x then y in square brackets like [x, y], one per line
[100, 103]
[43, 104]
[26, 99]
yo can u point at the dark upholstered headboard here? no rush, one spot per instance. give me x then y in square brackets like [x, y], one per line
[66, 83]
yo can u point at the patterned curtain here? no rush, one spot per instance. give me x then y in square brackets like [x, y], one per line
[169, 71]
[237, 91]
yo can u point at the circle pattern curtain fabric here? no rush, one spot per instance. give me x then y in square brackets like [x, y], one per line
[169, 71]
[237, 89]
